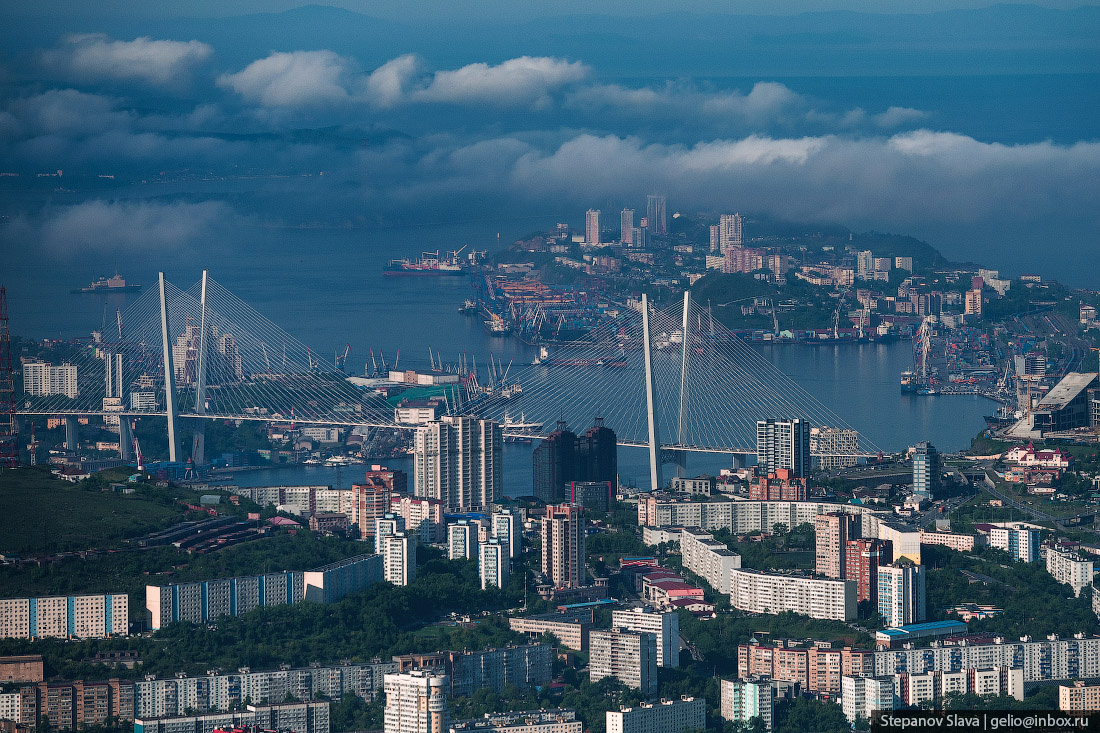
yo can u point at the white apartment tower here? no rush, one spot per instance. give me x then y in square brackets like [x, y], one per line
[416, 702]
[507, 528]
[457, 460]
[43, 379]
[729, 232]
[114, 375]
[592, 226]
[398, 552]
[461, 540]
[901, 594]
[494, 564]
[783, 444]
[664, 626]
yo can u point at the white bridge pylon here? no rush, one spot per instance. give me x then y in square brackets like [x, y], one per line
[647, 371]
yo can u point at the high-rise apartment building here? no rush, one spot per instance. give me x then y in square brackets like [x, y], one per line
[863, 559]
[458, 461]
[664, 625]
[626, 227]
[926, 470]
[901, 594]
[655, 214]
[1070, 568]
[834, 447]
[563, 457]
[370, 502]
[592, 226]
[43, 379]
[423, 517]
[461, 540]
[729, 234]
[865, 263]
[563, 553]
[862, 697]
[398, 552]
[1022, 543]
[386, 525]
[494, 564]
[715, 239]
[628, 656]
[416, 702]
[553, 464]
[783, 444]
[833, 531]
[507, 527]
[743, 700]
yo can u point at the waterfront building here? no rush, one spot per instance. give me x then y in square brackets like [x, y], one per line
[416, 702]
[1069, 568]
[663, 716]
[461, 540]
[664, 625]
[63, 617]
[44, 379]
[1066, 405]
[553, 464]
[832, 533]
[563, 553]
[834, 448]
[398, 552]
[508, 528]
[656, 215]
[1020, 542]
[926, 470]
[558, 720]
[457, 460]
[628, 656]
[743, 700]
[783, 444]
[708, 558]
[592, 227]
[626, 227]
[494, 564]
[822, 598]
[729, 234]
[862, 697]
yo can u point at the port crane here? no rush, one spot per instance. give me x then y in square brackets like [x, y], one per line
[340, 359]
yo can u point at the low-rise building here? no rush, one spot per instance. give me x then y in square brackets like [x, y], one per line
[954, 540]
[1021, 543]
[570, 629]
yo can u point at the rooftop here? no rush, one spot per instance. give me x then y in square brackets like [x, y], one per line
[1066, 390]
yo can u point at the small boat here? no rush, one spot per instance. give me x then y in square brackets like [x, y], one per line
[468, 306]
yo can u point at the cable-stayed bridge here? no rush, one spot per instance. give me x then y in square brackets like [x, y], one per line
[673, 380]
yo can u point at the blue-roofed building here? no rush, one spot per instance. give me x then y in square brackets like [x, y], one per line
[898, 635]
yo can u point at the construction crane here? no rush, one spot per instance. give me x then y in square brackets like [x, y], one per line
[341, 359]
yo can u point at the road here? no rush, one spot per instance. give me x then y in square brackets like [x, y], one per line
[1017, 504]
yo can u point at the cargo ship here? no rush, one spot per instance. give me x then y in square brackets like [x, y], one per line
[115, 284]
[429, 264]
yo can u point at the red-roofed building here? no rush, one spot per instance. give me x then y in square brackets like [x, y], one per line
[660, 591]
[1028, 456]
[782, 485]
[283, 522]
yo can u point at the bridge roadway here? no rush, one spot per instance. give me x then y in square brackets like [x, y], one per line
[376, 424]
